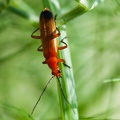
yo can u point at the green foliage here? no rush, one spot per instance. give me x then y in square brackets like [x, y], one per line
[94, 45]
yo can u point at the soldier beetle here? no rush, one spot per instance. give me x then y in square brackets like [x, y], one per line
[48, 34]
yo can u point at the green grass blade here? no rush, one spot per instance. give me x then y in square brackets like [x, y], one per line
[67, 17]
[11, 110]
[22, 9]
[112, 80]
[69, 112]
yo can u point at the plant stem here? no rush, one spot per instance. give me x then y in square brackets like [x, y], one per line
[69, 110]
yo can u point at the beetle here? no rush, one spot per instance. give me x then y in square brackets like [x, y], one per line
[49, 33]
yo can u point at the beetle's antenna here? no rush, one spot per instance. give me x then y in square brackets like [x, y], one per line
[64, 94]
[41, 95]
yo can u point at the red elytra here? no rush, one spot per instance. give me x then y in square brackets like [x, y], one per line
[49, 32]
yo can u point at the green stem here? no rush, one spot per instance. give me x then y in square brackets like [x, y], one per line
[69, 110]
[74, 13]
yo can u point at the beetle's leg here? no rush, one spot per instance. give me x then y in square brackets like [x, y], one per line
[62, 60]
[35, 36]
[65, 44]
[56, 33]
[55, 17]
[39, 48]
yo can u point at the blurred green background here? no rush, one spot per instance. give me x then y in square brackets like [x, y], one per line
[94, 41]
